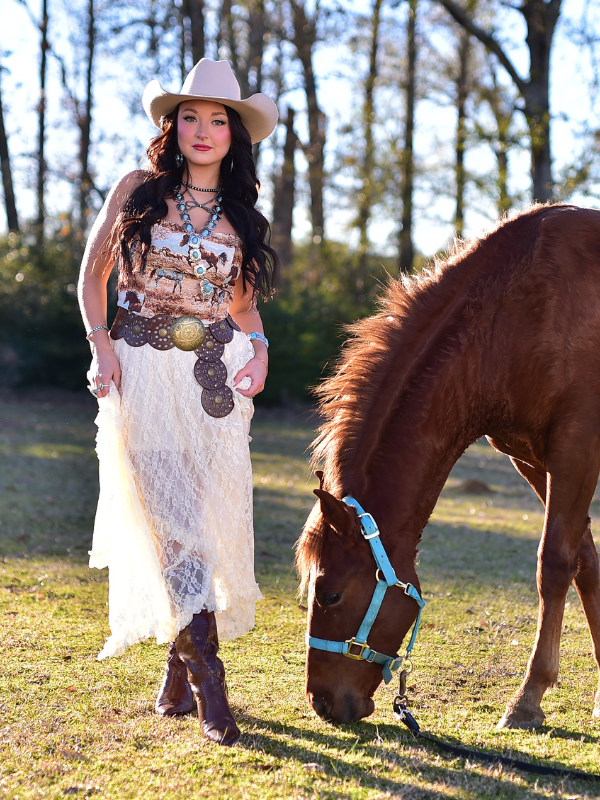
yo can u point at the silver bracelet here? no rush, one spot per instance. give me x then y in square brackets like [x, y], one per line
[261, 338]
[97, 328]
[258, 358]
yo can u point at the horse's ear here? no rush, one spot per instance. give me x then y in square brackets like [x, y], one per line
[319, 475]
[335, 513]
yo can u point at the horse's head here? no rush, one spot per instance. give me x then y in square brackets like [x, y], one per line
[339, 571]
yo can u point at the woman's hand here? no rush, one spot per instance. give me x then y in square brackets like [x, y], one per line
[256, 370]
[104, 369]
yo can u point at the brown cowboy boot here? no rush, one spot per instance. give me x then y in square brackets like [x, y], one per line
[175, 695]
[197, 647]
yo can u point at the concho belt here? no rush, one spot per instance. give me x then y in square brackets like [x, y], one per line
[163, 332]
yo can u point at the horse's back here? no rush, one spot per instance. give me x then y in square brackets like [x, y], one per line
[547, 341]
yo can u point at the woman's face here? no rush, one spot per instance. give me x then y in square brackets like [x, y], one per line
[203, 132]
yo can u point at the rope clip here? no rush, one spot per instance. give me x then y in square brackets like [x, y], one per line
[404, 715]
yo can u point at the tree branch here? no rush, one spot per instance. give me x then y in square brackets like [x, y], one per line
[486, 39]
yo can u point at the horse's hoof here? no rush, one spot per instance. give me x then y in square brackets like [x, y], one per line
[525, 718]
[509, 721]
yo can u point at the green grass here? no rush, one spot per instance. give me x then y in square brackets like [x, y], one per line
[70, 725]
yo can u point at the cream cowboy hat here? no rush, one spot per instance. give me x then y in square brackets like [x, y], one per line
[214, 80]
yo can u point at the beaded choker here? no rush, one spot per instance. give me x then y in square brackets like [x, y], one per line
[199, 189]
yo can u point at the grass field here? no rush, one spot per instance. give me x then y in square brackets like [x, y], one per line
[70, 725]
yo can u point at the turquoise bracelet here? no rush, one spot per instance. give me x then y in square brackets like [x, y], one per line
[261, 338]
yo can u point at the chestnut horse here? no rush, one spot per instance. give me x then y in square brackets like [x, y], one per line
[502, 339]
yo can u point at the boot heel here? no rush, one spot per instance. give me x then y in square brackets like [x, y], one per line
[197, 647]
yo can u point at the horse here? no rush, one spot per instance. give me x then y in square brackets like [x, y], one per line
[500, 339]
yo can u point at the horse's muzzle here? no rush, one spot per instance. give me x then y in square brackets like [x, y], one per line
[349, 708]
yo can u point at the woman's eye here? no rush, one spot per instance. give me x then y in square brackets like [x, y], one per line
[330, 598]
[189, 118]
[219, 122]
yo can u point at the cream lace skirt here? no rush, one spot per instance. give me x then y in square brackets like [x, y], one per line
[174, 518]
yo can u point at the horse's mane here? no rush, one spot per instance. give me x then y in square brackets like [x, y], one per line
[379, 359]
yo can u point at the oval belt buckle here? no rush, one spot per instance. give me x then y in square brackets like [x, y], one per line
[188, 333]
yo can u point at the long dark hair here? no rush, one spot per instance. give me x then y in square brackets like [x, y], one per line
[147, 203]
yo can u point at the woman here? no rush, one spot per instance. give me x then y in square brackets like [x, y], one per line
[174, 378]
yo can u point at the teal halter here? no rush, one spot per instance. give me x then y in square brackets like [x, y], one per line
[386, 578]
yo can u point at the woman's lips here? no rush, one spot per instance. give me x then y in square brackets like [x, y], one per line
[202, 147]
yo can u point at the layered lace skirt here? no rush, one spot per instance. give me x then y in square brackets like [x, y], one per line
[174, 519]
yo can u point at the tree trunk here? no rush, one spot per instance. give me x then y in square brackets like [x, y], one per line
[256, 46]
[227, 38]
[183, 45]
[366, 194]
[407, 251]
[503, 109]
[85, 124]
[194, 10]
[41, 159]
[12, 218]
[462, 92]
[284, 195]
[504, 198]
[541, 17]
[305, 35]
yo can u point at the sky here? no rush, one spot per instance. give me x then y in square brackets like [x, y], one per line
[116, 153]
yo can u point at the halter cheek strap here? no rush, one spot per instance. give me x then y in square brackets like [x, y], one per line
[357, 647]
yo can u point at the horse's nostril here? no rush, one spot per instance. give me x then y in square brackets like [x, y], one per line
[319, 704]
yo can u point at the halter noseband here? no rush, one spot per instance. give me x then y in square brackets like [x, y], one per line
[390, 664]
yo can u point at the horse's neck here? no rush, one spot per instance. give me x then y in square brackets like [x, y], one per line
[431, 428]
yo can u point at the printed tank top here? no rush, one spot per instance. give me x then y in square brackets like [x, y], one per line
[169, 285]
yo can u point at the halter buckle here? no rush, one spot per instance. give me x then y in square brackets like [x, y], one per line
[370, 524]
[356, 656]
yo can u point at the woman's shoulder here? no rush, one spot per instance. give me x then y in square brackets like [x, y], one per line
[122, 190]
[130, 181]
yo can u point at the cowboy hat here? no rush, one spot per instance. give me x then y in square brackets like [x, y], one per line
[214, 81]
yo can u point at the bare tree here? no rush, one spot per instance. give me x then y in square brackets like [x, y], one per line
[242, 33]
[406, 246]
[541, 17]
[84, 120]
[502, 138]
[194, 10]
[41, 157]
[304, 39]
[42, 167]
[366, 195]
[12, 218]
[284, 194]
[463, 85]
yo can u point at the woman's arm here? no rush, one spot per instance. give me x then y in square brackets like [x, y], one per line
[96, 267]
[245, 314]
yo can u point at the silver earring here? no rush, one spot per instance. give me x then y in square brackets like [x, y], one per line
[179, 158]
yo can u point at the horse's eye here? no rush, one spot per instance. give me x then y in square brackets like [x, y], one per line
[330, 598]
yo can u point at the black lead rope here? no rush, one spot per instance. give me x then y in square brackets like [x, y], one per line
[404, 715]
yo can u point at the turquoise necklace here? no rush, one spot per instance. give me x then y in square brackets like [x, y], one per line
[214, 215]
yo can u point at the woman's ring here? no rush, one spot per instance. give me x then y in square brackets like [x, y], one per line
[103, 386]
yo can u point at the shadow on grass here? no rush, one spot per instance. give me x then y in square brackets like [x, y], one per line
[377, 741]
[484, 557]
[563, 733]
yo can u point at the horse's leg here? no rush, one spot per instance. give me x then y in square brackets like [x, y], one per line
[562, 554]
[587, 575]
[587, 583]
